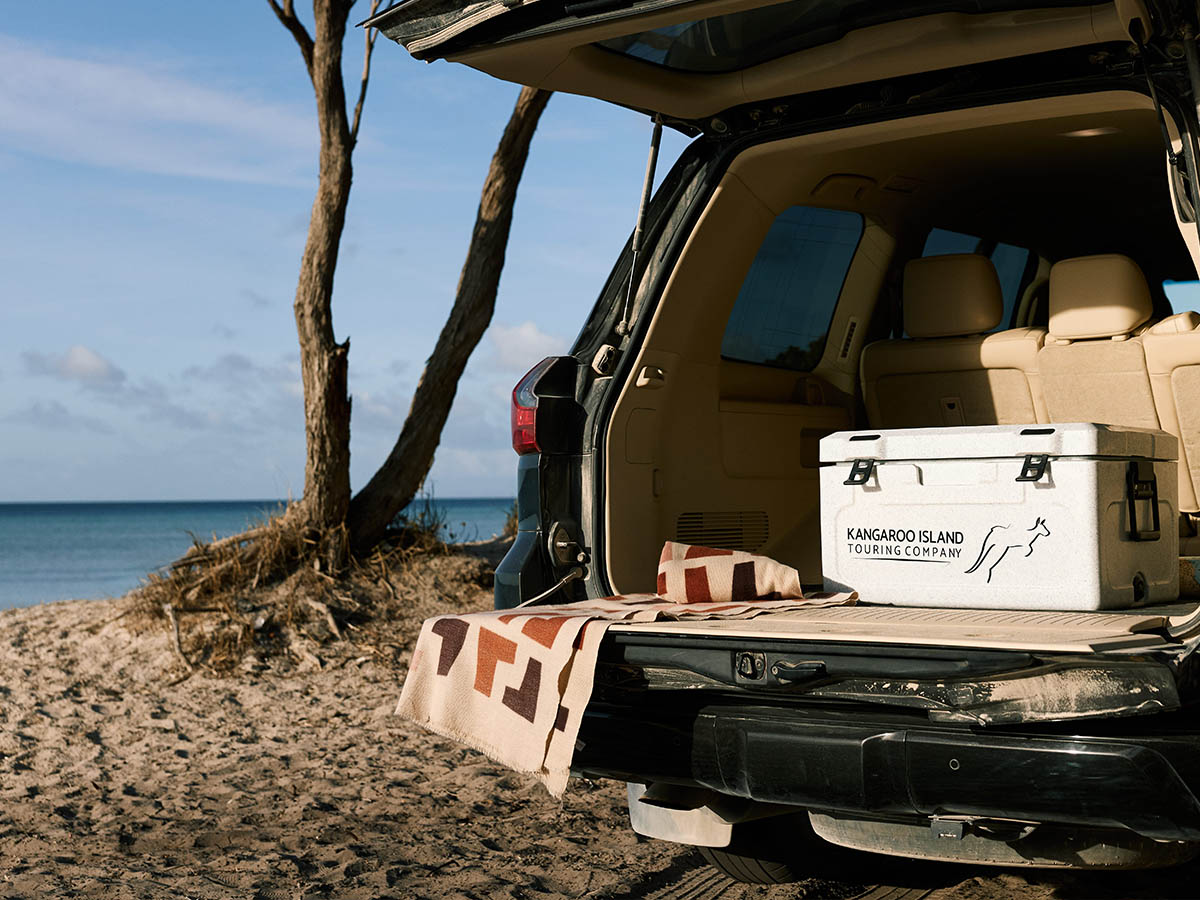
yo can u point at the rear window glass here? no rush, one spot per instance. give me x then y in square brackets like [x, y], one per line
[1184, 295]
[742, 39]
[1010, 262]
[782, 314]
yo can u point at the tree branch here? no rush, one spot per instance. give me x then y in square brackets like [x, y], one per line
[287, 15]
[372, 33]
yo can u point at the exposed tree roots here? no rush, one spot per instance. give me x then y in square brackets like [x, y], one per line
[273, 591]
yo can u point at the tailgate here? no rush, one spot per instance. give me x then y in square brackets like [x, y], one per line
[984, 667]
[1048, 632]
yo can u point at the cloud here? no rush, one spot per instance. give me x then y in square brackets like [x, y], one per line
[222, 330]
[239, 371]
[53, 416]
[378, 412]
[79, 363]
[143, 116]
[106, 382]
[255, 299]
[519, 347]
[265, 395]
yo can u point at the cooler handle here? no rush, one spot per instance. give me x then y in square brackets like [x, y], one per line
[1142, 484]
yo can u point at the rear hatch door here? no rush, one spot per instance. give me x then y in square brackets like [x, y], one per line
[690, 59]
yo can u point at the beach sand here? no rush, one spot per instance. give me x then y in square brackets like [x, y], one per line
[290, 781]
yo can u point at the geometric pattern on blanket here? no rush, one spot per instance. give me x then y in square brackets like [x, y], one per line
[513, 684]
[691, 574]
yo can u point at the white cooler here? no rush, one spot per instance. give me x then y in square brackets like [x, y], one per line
[1065, 516]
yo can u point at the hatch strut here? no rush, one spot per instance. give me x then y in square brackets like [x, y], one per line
[636, 246]
[1185, 138]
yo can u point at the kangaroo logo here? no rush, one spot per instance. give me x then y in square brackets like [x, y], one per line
[998, 541]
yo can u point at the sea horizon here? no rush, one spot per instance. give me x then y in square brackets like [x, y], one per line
[82, 549]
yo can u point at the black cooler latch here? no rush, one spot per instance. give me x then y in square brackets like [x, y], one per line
[860, 471]
[1142, 484]
[1034, 467]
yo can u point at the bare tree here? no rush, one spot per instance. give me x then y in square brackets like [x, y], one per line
[324, 523]
[323, 361]
[401, 475]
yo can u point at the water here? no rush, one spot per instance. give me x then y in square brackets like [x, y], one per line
[59, 551]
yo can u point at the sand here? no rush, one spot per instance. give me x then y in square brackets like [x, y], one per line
[294, 779]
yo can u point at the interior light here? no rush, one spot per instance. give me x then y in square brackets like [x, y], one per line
[1090, 132]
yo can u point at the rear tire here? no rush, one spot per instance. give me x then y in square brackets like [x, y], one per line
[749, 869]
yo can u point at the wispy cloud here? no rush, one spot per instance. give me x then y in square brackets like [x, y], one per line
[519, 347]
[106, 381]
[235, 370]
[378, 412]
[79, 363]
[53, 416]
[255, 299]
[142, 116]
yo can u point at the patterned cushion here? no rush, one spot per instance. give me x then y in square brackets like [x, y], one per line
[691, 574]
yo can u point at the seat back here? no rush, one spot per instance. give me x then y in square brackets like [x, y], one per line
[1173, 360]
[1093, 366]
[948, 371]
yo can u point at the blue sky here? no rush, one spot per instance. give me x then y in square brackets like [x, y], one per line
[158, 163]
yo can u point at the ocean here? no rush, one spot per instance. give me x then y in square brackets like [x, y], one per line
[60, 551]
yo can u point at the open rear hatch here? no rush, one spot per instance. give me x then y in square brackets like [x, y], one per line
[690, 59]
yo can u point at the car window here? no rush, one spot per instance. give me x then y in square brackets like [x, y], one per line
[739, 40]
[782, 314]
[1184, 295]
[1010, 262]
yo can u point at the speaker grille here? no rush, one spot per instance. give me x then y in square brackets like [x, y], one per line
[850, 329]
[740, 530]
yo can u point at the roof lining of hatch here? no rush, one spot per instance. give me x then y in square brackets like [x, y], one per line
[566, 59]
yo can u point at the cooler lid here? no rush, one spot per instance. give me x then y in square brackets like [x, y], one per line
[995, 441]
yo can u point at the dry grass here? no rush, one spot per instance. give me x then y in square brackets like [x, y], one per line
[268, 592]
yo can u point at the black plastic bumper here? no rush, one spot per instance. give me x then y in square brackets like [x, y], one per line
[859, 761]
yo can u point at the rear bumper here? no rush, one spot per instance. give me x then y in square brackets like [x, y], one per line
[876, 763]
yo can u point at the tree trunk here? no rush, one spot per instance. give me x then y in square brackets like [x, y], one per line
[400, 477]
[323, 361]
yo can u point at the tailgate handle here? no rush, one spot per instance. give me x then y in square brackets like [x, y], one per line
[801, 670]
[651, 377]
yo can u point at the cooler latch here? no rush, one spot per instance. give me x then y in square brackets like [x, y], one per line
[860, 471]
[1034, 467]
[1141, 484]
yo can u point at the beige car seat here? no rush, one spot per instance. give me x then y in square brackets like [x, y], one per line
[1173, 359]
[949, 371]
[1093, 366]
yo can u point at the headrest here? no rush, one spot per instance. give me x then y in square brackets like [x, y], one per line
[948, 296]
[1097, 297]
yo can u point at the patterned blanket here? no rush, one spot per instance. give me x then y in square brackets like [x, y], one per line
[513, 684]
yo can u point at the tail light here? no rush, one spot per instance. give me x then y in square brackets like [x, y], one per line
[524, 409]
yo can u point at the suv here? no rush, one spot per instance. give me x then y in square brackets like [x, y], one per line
[891, 215]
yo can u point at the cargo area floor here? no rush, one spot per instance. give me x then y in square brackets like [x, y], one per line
[1048, 632]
